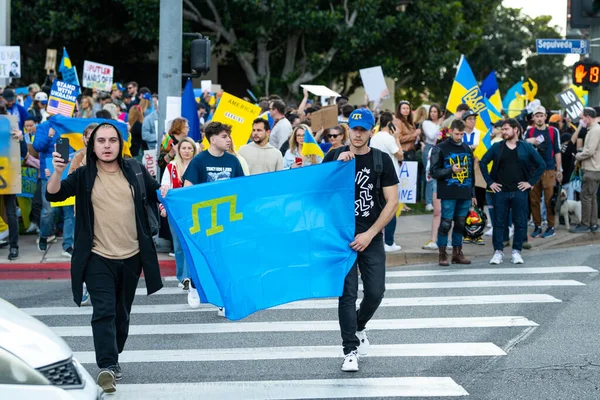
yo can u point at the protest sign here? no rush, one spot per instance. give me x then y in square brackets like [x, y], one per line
[326, 117]
[97, 76]
[62, 98]
[28, 181]
[206, 86]
[10, 62]
[407, 189]
[320, 90]
[216, 88]
[150, 161]
[50, 64]
[71, 200]
[237, 113]
[10, 158]
[173, 110]
[373, 82]
[571, 103]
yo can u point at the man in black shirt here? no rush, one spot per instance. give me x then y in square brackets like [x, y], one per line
[375, 204]
[511, 179]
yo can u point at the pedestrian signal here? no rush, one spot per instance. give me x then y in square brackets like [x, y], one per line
[586, 74]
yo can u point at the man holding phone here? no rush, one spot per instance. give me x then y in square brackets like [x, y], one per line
[452, 164]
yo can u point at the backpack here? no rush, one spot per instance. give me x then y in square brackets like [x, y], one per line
[549, 143]
[378, 166]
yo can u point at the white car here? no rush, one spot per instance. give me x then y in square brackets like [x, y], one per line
[35, 363]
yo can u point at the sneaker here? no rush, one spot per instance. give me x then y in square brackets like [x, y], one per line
[106, 380]
[4, 234]
[363, 347]
[516, 257]
[171, 254]
[68, 252]
[350, 363]
[544, 223]
[549, 233]
[391, 248]
[580, 229]
[193, 298]
[431, 245]
[467, 240]
[490, 232]
[13, 253]
[537, 232]
[180, 285]
[479, 241]
[527, 245]
[85, 297]
[186, 284]
[498, 258]
[42, 244]
[116, 370]
[33, 228]
[594, 228]
[429, 207]
[221, 312]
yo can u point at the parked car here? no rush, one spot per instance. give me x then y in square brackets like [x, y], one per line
[35, 363]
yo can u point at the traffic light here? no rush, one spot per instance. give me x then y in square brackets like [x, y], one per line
[200, 55]
[587, 74]
[584, 13]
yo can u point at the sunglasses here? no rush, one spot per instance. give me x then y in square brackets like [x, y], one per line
[334, 136]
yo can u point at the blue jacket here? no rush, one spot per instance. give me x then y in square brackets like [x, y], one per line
[20, 112]
[528, 157]
[44, 145]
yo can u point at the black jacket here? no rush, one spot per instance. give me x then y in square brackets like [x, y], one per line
[451, 186]
[80, 184]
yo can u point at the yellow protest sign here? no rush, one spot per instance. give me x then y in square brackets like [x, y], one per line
[237, 113]
[10, 158]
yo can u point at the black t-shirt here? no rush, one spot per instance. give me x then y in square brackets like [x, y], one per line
[509, 169]
[366, 207]
[207, 168]
[568, 150]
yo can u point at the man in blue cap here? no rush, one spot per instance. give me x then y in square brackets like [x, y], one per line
[375, 204]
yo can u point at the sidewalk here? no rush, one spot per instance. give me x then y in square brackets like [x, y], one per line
[412, 232]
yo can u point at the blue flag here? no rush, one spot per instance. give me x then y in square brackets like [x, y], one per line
[265, 240]
[189, 110]
[67, 69]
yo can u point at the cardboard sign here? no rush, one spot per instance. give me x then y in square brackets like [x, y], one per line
[97, 76]
[320, 90]
[373, 82]
[407, 189]
[326, 117]
[150, 161]
[10, 62]
[571, 103]
[62, 98]
[10, 158]
[50, 64]
[206, 86]
[173, 110]
[237, 113]
[28, 182]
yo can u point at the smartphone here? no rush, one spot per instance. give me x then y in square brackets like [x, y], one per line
[62, 147]
[298, 160]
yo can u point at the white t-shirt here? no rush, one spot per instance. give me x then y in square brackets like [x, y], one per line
[431, 130]
[472, 139]
[385, 142]
[280, 133]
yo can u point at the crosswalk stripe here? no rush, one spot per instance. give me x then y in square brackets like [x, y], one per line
[304, 326]
[426, 285]
[297, 389]
[299, 352]
[490, 271]
[315, 304]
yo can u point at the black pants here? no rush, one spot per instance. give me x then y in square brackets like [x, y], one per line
[111, 284]
[36, 204]
[372, 271]
[10, 202]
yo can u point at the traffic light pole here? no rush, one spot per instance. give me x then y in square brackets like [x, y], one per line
[594, 93]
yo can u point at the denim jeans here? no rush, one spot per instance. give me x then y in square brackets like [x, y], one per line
[47, 217]
[517, 203]
[490, 198]
[428, 185]
[182, 272]
[389, 230]
[452, 209]
[68, 226]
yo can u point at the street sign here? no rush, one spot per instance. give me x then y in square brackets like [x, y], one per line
[562, 46]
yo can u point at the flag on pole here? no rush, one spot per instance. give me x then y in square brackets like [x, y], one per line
[189, 111]
[514, 102]
[491, 91]
[68, 71]
[310, 146]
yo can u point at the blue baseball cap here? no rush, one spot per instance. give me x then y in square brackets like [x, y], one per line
[363, 118]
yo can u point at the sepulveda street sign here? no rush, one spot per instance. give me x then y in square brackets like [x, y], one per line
[562, 46]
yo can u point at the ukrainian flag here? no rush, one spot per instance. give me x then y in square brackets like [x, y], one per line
[68, 71]
[491, 91]
[493, 112]
[310, 146]
[72, 128]
[465, 90]
[513, 104]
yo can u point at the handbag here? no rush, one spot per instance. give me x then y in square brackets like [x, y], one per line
[151, 217]
[576, 180]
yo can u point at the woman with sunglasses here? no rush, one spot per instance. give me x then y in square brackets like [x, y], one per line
[337, 137]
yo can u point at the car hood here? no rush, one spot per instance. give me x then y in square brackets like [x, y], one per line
[29, 339]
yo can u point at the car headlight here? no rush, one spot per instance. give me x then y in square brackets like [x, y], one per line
[14, 371]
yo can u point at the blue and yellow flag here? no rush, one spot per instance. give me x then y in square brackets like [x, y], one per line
[491, 91]
[310, 146]
[10, 159]
[465, 90]
[249, 250]
[67, 69]
[72, 128]
[493, 112]
[514, 102]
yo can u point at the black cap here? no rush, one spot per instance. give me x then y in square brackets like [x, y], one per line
[469, 113]
[498, 124]
[8, 94]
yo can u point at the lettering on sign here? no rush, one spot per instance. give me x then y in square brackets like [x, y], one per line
[214, 204]
[234, 117]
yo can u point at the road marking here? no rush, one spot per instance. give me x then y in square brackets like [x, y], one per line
[316, 304]
[299, 352]
[305, 326]
[490, 271]
[297, 389]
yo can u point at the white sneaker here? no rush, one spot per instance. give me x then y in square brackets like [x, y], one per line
[193, 298]
[221, 312]
[171, 254]
[511, 231]
[85, 298]
[490, 232]
[429, 207]
[33, 228]
[363, 347]
[516, 257]
[431, 245]
[498, 258]
[391, 248]
[350, 363]
[49, 239]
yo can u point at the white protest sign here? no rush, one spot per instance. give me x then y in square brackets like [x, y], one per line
[571, 103]
[150, 161]
[97, 76]
[407, 189]
[320, 90]
[173, 110]
[206, 86]
[373, 82]
[10, 62]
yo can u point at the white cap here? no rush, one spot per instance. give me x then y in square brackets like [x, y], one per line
[41, 96]
[539, 110]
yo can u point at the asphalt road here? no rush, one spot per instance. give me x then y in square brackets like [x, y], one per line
[486, 332]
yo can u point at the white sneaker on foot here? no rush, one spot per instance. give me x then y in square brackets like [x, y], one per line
[391, 248]
[516, 257]
[221, 312]
[193, 298]
[429, 207]
[490, 232]
[431, 245]
[363, 347]
[350, 363]
[33, 228]
[498, 258]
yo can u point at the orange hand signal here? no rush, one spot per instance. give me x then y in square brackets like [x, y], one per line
[580, 74]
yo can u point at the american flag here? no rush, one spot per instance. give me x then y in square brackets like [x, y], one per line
[56, 106]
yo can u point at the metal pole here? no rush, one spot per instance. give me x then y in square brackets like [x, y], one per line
[5, 30]
[594, 94]
[169, 59]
